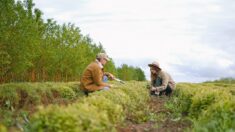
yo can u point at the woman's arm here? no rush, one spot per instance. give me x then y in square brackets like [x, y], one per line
[165, 81]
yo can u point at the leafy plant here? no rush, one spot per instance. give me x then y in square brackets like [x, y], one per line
[210, 105]
[101, 111]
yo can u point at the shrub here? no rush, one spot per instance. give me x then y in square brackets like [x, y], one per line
[219, 117]
[18, 95]
[8, 96]
[100, 111]
[2, 128]
[75, 118]
[66, 92]
[114, 111]
[204, 98]
[211, 106]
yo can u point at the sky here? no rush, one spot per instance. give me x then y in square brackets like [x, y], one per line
[194, 41]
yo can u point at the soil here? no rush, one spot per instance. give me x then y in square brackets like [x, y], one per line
[165, 123]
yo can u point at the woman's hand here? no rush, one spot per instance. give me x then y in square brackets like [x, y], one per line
[153, 89]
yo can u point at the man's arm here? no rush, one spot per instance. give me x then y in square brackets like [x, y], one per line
[111, 76]
[98, 78]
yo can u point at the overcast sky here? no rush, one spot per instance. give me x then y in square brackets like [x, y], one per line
[193, 40]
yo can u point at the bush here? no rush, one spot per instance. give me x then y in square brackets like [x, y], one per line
[114, 111]
[219, 117]
[2, 128]
[19, 95]
[76, 118]
[184, 94]
[66, 92]
[100, 111]
[204, 98]
[211, 106]
[138, 110]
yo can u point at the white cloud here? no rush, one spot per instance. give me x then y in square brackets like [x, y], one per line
[136, 32]
[214, 8]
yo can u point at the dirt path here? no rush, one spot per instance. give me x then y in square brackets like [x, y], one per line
[165, 122]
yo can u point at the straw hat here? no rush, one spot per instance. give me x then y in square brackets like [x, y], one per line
[155, 64]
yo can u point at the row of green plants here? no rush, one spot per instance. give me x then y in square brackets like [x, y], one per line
[211, 106]
[224, 80]
[19, 95]
[100, 111]
[19, 100]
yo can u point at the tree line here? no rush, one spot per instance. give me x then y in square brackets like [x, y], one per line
[33, 49]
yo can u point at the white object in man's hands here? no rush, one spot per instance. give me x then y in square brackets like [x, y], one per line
[116, 79]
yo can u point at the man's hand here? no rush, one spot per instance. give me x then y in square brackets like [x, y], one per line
[111, 76]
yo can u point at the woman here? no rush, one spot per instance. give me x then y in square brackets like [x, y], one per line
[161, 82]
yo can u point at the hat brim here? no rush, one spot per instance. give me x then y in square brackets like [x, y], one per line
[108, 59]
[153, 65]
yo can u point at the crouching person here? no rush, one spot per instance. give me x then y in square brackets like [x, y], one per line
[94, 78]
[161, 82]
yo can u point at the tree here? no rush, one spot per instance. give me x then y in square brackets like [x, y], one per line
[127, 73]
[32, 49]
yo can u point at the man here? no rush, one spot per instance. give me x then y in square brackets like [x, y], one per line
[94, 78]
[161, 82]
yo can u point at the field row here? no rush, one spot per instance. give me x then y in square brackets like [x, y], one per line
[211, 106]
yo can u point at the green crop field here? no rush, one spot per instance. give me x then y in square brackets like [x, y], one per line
[43, 58]
[63, 107]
